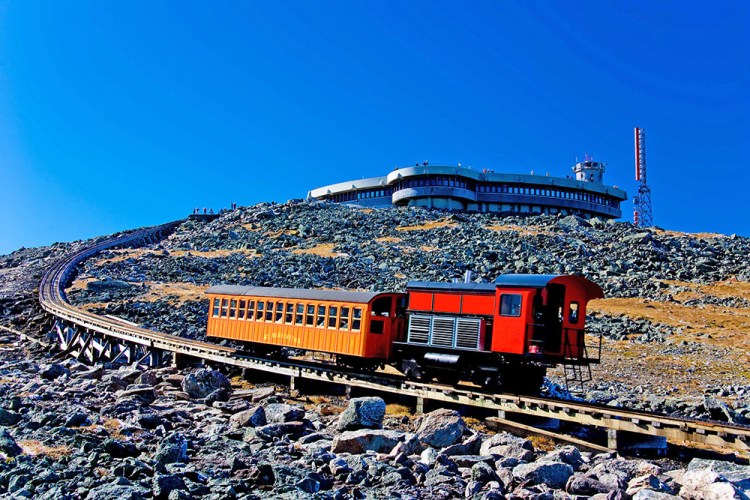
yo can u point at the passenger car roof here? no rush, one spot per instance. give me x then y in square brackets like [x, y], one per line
[294, 293]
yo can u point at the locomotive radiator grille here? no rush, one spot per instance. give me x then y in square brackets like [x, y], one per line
[441, 331]
[467, 333]
[419, 329]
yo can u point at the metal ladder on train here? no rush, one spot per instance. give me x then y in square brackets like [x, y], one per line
[576, 376]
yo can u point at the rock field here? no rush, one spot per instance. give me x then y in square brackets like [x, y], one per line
[674, 326]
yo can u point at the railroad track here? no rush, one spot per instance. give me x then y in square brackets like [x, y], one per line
[94, 335]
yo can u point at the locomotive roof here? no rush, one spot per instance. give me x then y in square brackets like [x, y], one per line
[530, 280]
[454, 287]
[294, 293]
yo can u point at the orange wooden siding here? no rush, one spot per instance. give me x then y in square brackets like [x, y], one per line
[326, 326]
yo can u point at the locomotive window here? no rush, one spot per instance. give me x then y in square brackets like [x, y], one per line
[259, 315]
[269, 310]
[573, 313]
[344, 320]
[376, 326]
[241, 310]
[382, 306]
[356, 319]
[279, 312]
[224, 307]
[216, 307]
[332, 313]
[289, 313]
[310, 319]
[321, 322]
[510, 305]
[298, 317]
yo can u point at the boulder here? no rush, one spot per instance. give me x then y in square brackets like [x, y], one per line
[509, 446]
[142, 395]
[51, 372]
[201, 383]
[357, 442]
[165, 484]
[483, 473]
[647, 481]
[470, 446]
[253, 417]
[277, 413]
[277, 430]
[553, 474]
[172, 449]
[8, 445]
[362, 413]
[578, 484]
[567, 454]
[441, 428]
[9, 418]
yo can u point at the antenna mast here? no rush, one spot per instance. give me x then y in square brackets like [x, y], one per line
[642, 215]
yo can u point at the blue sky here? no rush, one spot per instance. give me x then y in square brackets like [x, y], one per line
[116, 115]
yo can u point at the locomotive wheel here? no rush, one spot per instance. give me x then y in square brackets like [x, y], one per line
[411, 369]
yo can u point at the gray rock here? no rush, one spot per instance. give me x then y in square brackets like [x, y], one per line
[509, 446]
[647, 494]
[53, 371]
[120, 449]
[201, 383]
[441, 428]
[77, 419]
[567, 454]
[277, 413]
[8, 445]
[553, 474]
[118, 492]
[141, 395]
[357, 442]
[470, 446]
[253, 417]
[9, 418]
[165, 484]
[362, 413]
[578, 484]
[172, 449]
[647, 481]
[483, 473]
[277, 430]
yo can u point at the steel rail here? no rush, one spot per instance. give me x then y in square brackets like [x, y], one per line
[53, 299]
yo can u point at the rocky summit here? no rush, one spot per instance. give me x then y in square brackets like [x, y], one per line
[674, 329]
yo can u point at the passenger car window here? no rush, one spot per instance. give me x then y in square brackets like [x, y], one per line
[344, 319]
[332, 313]
[510, 304]
[241, 310]
[217, 301]
[233, 308]
[357, 319]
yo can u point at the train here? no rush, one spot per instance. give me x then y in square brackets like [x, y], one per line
[502, 335]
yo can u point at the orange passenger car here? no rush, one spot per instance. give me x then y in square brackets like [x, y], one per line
[351, 325]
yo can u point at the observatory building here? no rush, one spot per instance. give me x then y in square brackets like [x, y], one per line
[464, 189]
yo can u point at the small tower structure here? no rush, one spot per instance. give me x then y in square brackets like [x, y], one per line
[642, 212]
[589, 170]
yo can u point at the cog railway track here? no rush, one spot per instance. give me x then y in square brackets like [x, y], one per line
[95, 337]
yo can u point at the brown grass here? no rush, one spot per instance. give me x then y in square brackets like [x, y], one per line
[388, 239]
[321, 250]
[397, 410]
[541, 443]
[240, 383]
[728, 326]
[428, 225]
[698, 236]
[37, 448]
[476, 425]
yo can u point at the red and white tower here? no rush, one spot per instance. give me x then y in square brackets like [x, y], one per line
[642, 213]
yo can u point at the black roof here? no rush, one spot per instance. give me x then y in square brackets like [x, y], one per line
[294, 293]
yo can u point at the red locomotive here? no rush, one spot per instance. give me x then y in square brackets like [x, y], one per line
[503, 334]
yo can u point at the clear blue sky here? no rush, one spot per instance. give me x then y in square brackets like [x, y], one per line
[116, 115]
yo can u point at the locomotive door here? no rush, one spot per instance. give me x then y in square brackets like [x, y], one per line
[553, 320]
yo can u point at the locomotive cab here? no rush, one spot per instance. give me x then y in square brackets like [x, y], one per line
[544, 316]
